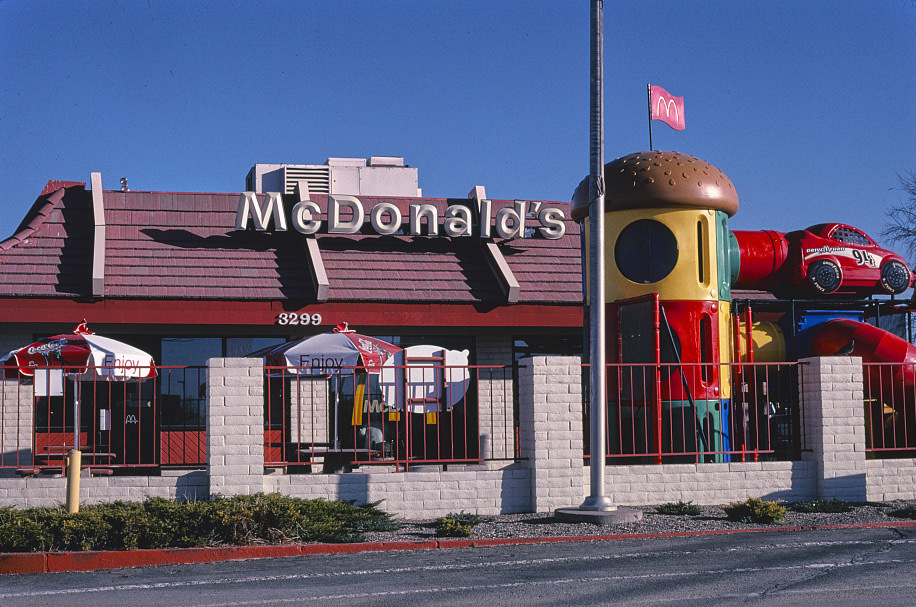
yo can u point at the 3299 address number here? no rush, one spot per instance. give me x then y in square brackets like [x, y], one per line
[292, 318]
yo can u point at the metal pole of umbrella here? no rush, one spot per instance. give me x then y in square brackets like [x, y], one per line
[336, 409]
[76, 415]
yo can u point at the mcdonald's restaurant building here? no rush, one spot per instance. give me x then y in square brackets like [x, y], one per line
[190, 276]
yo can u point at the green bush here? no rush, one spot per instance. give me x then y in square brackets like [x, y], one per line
[459, 524]
[755, 510]
[466, 518]
[449, 527]
[679, 508]
[822, 505]
[161, 523]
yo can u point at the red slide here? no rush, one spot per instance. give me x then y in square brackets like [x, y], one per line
[886, 382]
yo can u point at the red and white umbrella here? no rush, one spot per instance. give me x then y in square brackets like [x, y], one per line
[328, 353]
[83, 355]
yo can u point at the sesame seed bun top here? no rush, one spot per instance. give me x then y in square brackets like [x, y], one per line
[660, 179]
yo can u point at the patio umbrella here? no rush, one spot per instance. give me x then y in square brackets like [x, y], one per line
[82, 356]
[328, 353]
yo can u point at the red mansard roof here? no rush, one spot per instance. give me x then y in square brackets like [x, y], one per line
[184, 246]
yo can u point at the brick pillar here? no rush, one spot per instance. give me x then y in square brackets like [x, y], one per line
[551, 433]
[235, 425]
[832, 399]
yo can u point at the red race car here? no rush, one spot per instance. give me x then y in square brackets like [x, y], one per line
[825, 259]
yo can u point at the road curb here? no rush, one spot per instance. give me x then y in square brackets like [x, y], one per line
[59, 562]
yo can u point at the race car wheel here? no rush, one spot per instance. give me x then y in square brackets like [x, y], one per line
[895, 277]
[825, 275]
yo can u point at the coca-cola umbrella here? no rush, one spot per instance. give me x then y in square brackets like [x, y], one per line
[82, 356]
[327, 355]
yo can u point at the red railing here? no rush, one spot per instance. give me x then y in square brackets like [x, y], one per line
[890, 409]
[666, 413]
[401, 417]
[122, 424]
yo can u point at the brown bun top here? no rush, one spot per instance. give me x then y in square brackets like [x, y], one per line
[660, 179]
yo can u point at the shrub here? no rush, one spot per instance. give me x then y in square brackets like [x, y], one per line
[458, 525]
[755, 510]
[449, 527]
[161, 523]
[679, 508]
[466, 518]
[822, 505]
[21, 531]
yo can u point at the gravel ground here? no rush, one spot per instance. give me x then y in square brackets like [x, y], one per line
[711, 518]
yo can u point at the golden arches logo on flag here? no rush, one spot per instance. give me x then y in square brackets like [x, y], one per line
[666, 107]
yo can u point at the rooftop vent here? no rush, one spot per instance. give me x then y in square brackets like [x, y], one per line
[379, 176]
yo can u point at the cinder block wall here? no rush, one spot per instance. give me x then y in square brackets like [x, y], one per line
[425, 492]
[890, 479]
[552, 473]
[49, 491]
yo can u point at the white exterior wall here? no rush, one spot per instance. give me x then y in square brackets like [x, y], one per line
[551, 475]
[890, 479]
[710, 484]
[49, 491]
[428, 492]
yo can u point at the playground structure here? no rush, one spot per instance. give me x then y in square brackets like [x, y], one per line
[684, 347]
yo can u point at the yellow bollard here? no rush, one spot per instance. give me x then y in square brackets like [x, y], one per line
[73, 481]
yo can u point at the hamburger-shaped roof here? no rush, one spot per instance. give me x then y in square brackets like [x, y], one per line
[660, 179]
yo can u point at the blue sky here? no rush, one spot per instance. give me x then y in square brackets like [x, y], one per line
[807, 106]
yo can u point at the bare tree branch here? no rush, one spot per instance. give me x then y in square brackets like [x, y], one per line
[901, 226]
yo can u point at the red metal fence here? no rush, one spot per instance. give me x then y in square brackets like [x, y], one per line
[122, 424]
[755, 413]
[429, 414]
[403, 416]
[890, 409]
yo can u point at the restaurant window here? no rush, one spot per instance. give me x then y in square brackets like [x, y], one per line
[183, 375]
[183, 380]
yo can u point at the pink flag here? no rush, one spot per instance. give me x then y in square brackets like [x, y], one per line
[667, 108]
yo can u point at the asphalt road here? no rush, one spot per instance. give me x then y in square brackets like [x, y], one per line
[850, 567]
